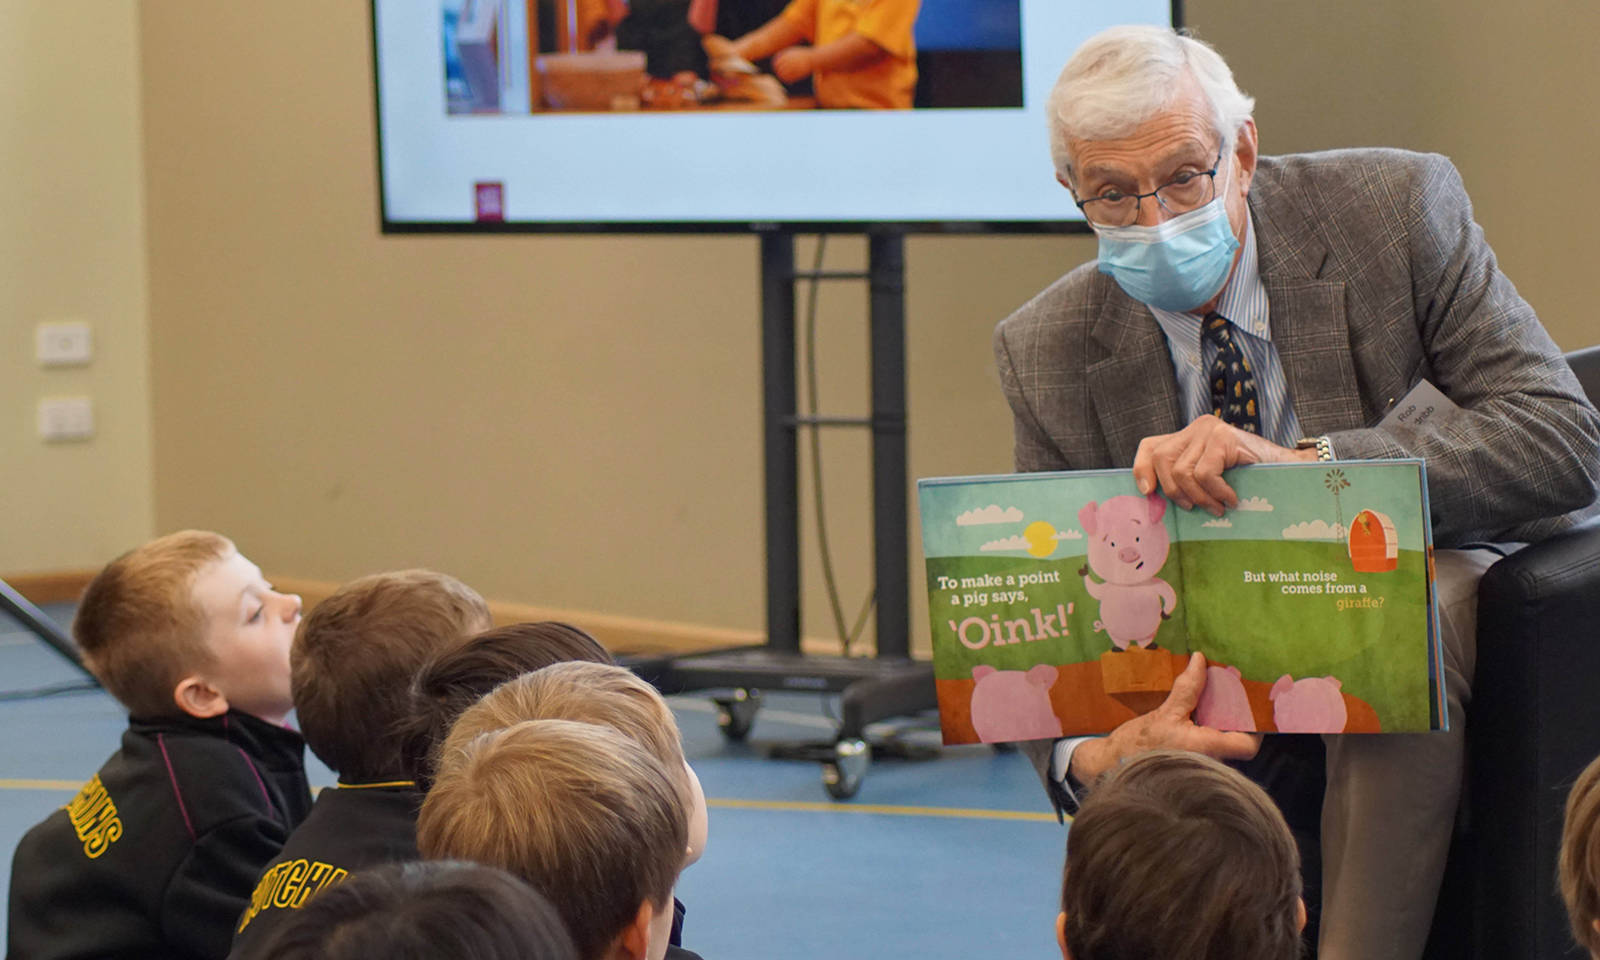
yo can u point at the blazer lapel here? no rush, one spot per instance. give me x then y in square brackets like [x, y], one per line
[1131, 382]
[1309, 327]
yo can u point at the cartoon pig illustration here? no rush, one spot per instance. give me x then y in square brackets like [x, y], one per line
[1223, 704]
[1312, 705]
[1013, 705]
[1127, 548]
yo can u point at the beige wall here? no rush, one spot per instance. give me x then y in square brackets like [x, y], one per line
[575, 421]
[72, 246]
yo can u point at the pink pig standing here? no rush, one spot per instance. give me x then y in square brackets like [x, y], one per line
[1223, 703]
[1012, 705]
[1127, 547]
[1312, 705]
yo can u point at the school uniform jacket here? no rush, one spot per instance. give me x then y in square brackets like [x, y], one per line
[157, 854]
[351, 828]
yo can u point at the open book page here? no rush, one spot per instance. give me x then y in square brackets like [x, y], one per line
[1066, 603]
[1034, 582]
[1311, 600]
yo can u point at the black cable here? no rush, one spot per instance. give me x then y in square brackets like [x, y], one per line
[847, 638]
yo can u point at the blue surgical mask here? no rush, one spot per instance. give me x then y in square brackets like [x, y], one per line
[1176, 265]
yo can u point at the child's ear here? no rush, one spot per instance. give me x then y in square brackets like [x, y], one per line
[633, 942]
[195, 696]
[1061, 935]
[1300, 917]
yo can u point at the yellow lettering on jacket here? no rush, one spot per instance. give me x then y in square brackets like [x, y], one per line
[288, 885]
[94, 818]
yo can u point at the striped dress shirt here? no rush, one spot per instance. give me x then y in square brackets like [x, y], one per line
[1244, 301]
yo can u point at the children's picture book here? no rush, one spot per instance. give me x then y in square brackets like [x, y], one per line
[1067, 603]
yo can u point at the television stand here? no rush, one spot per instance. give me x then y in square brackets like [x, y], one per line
[889, 684]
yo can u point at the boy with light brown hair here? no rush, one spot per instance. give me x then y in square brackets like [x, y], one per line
[1173, 854]
[602, 694]
[351, 665]
[584, 814]
[1579, 869]
[157, 853]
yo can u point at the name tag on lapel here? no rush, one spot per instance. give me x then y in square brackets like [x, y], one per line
[1422, 406]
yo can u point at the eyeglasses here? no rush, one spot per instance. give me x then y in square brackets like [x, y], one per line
[1183, 193]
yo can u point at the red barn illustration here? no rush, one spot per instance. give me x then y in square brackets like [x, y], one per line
[1374, 548]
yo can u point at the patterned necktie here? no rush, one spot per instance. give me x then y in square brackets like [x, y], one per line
[1233, 383]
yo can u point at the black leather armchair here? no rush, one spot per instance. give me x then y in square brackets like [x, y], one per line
[1533, 724]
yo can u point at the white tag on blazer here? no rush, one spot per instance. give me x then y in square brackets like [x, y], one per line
[1422, 405]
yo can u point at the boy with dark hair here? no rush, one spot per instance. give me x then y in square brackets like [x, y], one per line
[459, 677]
[440, 909]
[606, 845]
[156, 855]
[352, 664]
[1176, 855]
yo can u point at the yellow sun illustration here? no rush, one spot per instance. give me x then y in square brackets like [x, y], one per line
[1041, 537]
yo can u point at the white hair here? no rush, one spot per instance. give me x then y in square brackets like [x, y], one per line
[1123, 76]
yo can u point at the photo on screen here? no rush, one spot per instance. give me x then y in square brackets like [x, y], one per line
[535, 56]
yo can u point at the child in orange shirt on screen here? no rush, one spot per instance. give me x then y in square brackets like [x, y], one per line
[859, 53]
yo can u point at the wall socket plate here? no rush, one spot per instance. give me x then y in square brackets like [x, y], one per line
[66, 419]
[67, 343]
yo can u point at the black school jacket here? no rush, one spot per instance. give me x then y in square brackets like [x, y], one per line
[351, 827]
[157, 854]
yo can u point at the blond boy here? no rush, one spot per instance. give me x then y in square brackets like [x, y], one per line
[595, 693]
[1176, 855]
[157, 853]
[586, 815]
[1579, 871]
[352, 665]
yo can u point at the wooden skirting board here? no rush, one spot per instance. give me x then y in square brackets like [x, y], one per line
[617, 633]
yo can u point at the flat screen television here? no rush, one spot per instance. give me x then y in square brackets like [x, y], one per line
[590, 115]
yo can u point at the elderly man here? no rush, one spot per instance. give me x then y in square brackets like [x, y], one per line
[1249, 309]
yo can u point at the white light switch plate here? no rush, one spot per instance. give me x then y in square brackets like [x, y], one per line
[64, 344]
[66, 418]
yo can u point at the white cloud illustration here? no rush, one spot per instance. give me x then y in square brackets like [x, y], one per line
[1070, 535]
[1314, 530]
[1254, 505]
[993, 513]
[1219, 522]
[1009, 543]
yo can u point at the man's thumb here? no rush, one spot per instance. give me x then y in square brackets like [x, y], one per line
[1187, 687]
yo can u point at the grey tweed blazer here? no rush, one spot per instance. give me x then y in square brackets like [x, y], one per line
[1377, 277]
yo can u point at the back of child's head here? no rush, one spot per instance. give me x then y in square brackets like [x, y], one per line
[1176, 855]
[1579, 870]
[139, 626]
[585, 692]
[355, 655]
[580, 811]
[457, 678]
[420, 911]
[596, 693]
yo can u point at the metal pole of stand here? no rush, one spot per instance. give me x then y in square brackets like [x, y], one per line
[886, 264]
[779, 405]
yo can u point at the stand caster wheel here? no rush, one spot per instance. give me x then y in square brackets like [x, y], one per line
[737, 714]
[842, 775]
